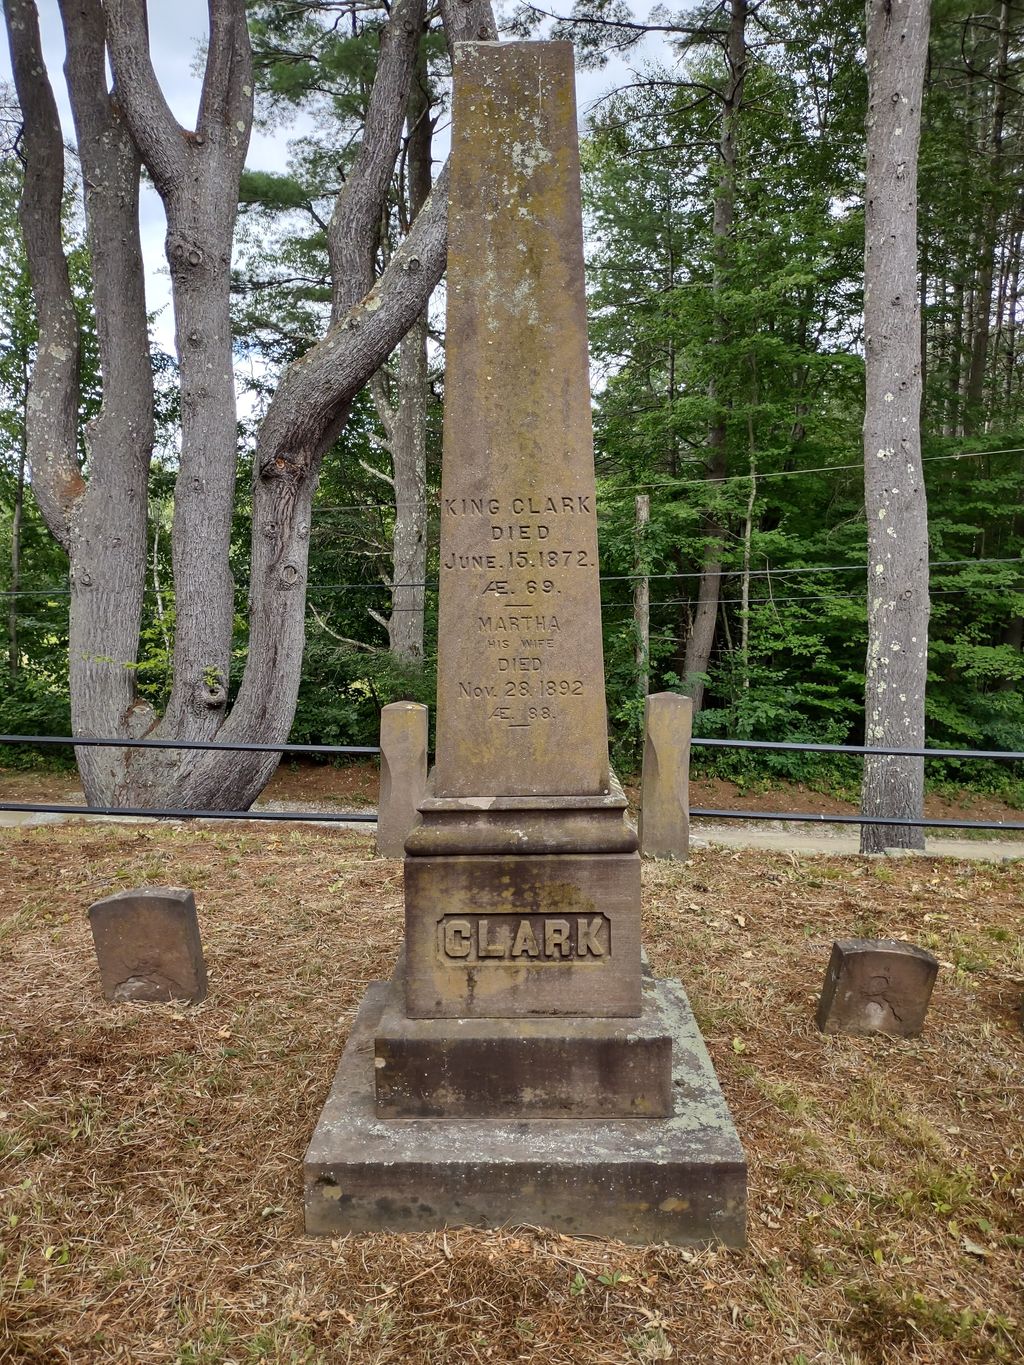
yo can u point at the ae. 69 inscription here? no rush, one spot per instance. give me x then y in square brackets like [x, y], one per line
[520, 699]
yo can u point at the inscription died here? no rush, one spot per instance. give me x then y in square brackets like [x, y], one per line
[518, 938]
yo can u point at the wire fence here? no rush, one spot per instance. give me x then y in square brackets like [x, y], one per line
[370, 817]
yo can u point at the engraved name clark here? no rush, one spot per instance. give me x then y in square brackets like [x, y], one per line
[515, 938]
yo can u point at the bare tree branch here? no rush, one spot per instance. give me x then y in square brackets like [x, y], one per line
[158, 135]
[52, 415]
[226, 98]
[352, 235]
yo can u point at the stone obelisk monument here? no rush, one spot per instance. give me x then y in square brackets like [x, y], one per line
[522, 1066]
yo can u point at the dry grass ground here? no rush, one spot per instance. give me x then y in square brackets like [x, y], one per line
[151, 1155]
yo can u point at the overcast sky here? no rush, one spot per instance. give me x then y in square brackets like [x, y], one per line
[178, 28]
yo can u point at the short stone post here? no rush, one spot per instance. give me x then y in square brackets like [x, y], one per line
[665, 784]
[403, 774]
[148, 946]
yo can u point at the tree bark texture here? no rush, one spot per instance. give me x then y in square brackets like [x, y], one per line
[642, 596]
[974, 408]
[13, 652]
[408, 436]
[51, 420]
[109, 527]
[897, 516]
[702, 633]
[99, 514]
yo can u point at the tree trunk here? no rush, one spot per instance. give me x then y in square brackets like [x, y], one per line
[748, 538]
[702, 633]
[13, 655]
[409, 428]
[1012, 301]
[108, 528]
[974, 407]
[642, 596]
[954, 386]
[897, 516]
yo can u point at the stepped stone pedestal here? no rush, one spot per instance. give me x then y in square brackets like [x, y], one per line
[522, 1065]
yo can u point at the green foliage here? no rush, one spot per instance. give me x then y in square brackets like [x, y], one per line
[344, 689]
[762, 331]
[772, 330]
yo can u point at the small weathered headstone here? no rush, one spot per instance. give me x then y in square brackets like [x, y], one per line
[148, 945]
[665, 785]
[403, 774]
[876, 986]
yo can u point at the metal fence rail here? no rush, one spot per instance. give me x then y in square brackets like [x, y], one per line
[791, 747]
[92, 742]
[184, 813]
[368, 817]
[816, 819]
[170, 812]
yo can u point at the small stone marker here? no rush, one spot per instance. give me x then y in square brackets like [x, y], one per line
[148, 945]
[403, 774]
[665, 785]
[876, 986]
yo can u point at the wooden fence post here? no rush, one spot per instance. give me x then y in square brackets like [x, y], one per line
[665, 784]
[403, 774]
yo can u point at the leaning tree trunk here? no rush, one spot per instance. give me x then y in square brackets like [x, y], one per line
[705, 614]
[897, 515]
[409, 427]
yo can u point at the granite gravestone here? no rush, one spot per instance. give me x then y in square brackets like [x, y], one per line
[522, 1065]
[148, 946]
[877, 986]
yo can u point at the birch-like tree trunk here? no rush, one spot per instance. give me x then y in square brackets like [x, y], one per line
[897, 514]
[705, 614]
[408, 427]
[642, 595]
[101, 519]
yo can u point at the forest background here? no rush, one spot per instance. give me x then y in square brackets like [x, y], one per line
[757, 336]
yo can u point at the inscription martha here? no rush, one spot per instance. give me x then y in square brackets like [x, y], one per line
[527, 562]
[536, 938]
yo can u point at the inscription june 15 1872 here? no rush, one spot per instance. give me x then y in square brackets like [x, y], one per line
[522, 552]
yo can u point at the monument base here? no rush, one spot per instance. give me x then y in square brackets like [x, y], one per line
[523, 1068]
[680, 1179]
